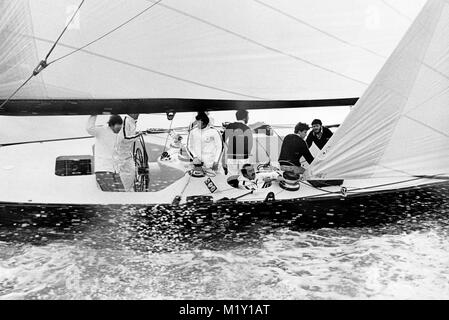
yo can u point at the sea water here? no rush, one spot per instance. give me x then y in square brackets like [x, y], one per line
[393, 249]
[126, 254]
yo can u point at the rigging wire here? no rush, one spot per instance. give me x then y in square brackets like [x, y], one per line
[15, 92]
[328, 193]
[47, 140]
[64, 30]
[107, 33]
[164, 74]
[168, 135]
[43, 64]
[416, 178]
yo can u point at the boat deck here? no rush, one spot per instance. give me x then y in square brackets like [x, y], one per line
[28, 176]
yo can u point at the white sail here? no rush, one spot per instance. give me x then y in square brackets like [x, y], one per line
[400, 125]
[205, 49]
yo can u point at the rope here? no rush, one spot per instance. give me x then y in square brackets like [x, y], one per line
[243, 195]
[15, 92]
[63, 31]
[186, 185]
[42, 141]
[189, 130]
[365, 188]
[279, 136]
[265, 150]
[107, 33]
[42, 64]
[168, 135]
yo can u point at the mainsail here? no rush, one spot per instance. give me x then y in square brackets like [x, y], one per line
[254, 50]
[197, 49]
[400, 125]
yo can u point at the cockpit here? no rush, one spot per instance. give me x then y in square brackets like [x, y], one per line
[163, 156]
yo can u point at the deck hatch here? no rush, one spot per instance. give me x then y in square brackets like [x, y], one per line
[67, 166]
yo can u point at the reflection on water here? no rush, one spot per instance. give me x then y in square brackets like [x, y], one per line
[394, 246]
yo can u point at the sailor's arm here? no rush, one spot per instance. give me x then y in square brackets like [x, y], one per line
[308, 156]
[128, 133]
[256, 125]
[309, 139]
[90, 127]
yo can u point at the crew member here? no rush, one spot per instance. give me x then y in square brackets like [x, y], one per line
[194, 124]
[123, 155]
[319, 135]
[238, 140]
[204, 143]
[293, 149]
[250, 180]
[105, 144]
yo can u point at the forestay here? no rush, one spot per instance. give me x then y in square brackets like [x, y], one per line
[400, 125]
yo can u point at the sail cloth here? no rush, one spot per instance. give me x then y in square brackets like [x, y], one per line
[400, 125]
[199, 49]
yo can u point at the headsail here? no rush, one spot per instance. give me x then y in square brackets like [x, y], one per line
[400, 125]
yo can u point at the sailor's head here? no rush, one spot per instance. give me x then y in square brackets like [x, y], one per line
[248, 171]
[242, 115]
[135, 116]
[202, 120]
[317, 124]
[115, 123]
[301, 129]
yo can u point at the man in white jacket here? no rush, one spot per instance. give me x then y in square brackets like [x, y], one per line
[205, 143]
[105, 143]
[123, 156]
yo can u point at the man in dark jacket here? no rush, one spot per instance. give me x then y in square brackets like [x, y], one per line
[319, 135]
[238, 139]
[293, 148]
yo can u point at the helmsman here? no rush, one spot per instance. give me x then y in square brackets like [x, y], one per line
[123, 156]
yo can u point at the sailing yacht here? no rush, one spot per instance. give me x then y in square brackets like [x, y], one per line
[187, 56]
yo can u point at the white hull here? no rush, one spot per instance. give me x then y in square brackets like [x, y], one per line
[28, 177]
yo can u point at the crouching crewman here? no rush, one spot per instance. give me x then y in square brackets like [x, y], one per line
[252, 180]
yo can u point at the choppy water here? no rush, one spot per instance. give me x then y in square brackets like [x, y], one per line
[127, 254]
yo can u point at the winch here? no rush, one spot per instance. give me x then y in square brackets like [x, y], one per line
[165, 156]
[291, 181]
[197, 171]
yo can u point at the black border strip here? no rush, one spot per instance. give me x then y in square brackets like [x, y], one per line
[120, 106]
